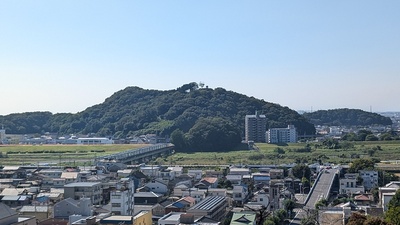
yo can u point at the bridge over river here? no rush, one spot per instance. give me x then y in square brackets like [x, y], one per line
[138, 155]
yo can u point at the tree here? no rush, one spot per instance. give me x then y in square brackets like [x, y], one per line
[392, 215]
[321, 203]
[179, 140]
[289, 205]
[213, 134]
[356, 219]
[361, 164]
[301, 170]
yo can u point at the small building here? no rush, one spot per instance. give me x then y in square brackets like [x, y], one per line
[90, 190]
[240, 218]
[370, 178]
[213, 207]
[68, 207]
[147, 198]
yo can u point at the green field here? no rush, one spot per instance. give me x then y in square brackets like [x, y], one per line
[66, 154]
[267, 154]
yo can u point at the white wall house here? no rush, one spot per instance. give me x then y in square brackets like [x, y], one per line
[157, 187]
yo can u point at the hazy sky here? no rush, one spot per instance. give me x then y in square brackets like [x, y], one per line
[64, 56]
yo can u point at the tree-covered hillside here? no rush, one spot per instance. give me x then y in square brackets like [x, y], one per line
[346, 117]
[134, 111]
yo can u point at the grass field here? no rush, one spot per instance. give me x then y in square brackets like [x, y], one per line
[66, 154]
[267, 154]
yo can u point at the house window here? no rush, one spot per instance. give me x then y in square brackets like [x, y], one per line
[116, 204]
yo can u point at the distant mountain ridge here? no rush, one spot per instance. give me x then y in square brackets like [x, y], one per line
[346, 117]
[134, 111]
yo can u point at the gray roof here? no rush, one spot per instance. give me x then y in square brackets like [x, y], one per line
[6, 211]
[82, 184]
[146, 194]
[29, 208]
[209, 203]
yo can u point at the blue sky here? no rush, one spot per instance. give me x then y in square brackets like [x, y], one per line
[64, 56]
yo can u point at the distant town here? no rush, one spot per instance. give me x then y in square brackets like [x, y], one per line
[122, 188]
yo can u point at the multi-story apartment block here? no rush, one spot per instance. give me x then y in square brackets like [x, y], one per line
[255, 127]
[282, 135]
[370, 178]
[121, 199]
[79, 190]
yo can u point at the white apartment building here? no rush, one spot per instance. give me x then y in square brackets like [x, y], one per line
[121, 199]
[282, 135]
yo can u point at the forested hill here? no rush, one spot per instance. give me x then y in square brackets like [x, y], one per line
[346, 117]
[138, 111]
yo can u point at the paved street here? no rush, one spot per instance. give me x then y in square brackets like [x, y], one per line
[321, 190]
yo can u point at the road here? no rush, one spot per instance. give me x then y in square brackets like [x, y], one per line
[320, 191]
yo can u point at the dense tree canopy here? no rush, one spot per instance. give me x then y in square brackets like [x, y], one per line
[135, 111]
[393, 213]
[361, 164]
[346, 117]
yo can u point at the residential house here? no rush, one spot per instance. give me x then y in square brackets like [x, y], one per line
[124, 173]
[172, 218]
[15, 172]
[261, 178]
[260, 198]
[141, 218]
[177, 170]
[150, 171]
[217, 192]
[147, 198]
[157, 186]
[207, 182]
[41, 212]
[234, 179]
[348, 185]
[51, 173]
[276, 173]
[14, 197]
[69, 206]
[240, 194]
[241, 218]
[92, 190]
[180, 205]
[363, 199]
[198, 194]
[71, 177]
[213, 173]
[239, 171]
[196, 174]
[7, 215]
[387, 192]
